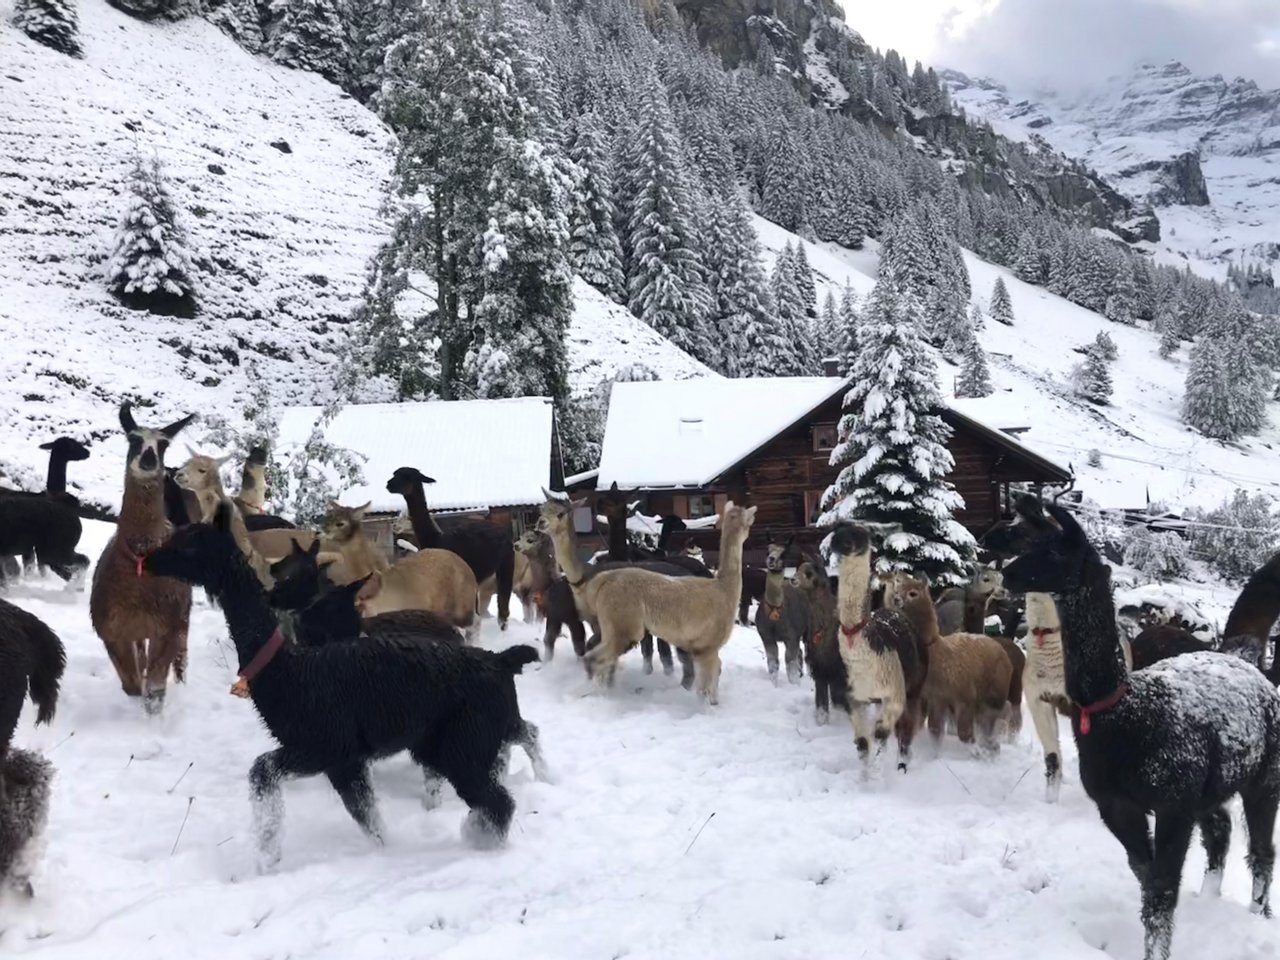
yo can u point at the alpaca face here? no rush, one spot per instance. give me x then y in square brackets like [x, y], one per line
[557, 516]
[850, 540]
[147, 446]
[808, 577]
[64, 448]
[200, 473]
[1056, 558]
[988, 582]
[341, 524]
[406, 479]
[738, 520]
[531, 543]
[903, 592]
[775, 560]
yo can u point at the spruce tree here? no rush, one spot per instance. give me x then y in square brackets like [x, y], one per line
[594, 250]
[1105, 346]
[847, 346]
[238, 19]
[1093, 378]
[782, 194]
[975, 379]
[310, 35]
[804, 280]
[827, 333]
[149, 267]
[977, 319]
[852, 211]
[905, 262]
[1169, 341]
[1225, 395]
[53, 23]
[788, 304]
[892, 450]
[1026, 262]
[1122, 303]
[1001, 307]
[751, 343]
[666, 281]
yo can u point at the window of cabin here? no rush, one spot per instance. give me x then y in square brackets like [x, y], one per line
[701, 505]
[812, 507]
[824, 437]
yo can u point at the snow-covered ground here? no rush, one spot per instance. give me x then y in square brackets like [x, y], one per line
[673, 830]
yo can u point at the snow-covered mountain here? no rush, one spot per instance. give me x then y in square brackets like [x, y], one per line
[1204, 151]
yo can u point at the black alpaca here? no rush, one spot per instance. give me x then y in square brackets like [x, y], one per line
[485, 547]
[335, 708]
[31, 660]
[1178, 739]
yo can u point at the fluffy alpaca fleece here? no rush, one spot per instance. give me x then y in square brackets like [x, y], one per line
[435, 580]
[535, 571]
[142, 621]
[969, 673]
[335, 708]
[342, 533]
[693, 613]
[1178, 739]
[25, 786]
[200, 477]
[830, 681]
[1044, 683]
[885, 660]
[32, 659]
[782, 617]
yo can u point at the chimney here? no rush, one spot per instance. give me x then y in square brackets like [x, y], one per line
[830, 366]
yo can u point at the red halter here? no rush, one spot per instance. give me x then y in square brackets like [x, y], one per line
[1086, 711]
[259, 662]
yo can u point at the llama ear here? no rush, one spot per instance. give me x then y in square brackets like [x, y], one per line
[358, 512]
[422, 477]
[1067, 523]
[126, 418]
[48, 446]
[220, 461]
[749, 515]
[173, 429]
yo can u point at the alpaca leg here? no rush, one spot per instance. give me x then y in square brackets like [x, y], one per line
[160, 657]
[770, 644]
[484, 597]
[549, 637]
[180, 656]
[965, 723]
[861, 731]
[1215, 834]
[1129, 825]
[578, 637]
[795, 666]
[123, 660]
[1260, 818]
[906, 731]
[1045, 718]
[1160, 897]
[987, 740]
[529, 740]
[352, 783]
[468, 759]
[821, 702]
[268, 806]
[664, 654]
[646, 652]
[505, 577]
[432, 780]
[937, 718]
[744, 610]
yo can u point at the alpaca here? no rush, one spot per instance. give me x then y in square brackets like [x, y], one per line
[534, 572]
[1011, 713]
[142, 622]
[783, 616]
[885, 659]
[485, 547]
[336, 708]
[25, 780]
[964, 608]
[557, 522]
[344, 534]
[45, 528]
[62, 451]
[692, 613]
[561, 611]
[1162, 641]
[31, 661]
[252, 498]
[1044, 681]
[201, 477]
[969, 673]
[275, 543]
[435, 580]
[830, 679]
[1179, 738]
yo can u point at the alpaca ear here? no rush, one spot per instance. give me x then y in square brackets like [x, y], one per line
[49, 445]
[220, 461]
[191, 451]
[126, 418]
[422, 477]
[173, 429]
[357, 513]
[750, 515]
[1067, 523]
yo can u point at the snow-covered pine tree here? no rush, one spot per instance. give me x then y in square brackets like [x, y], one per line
[751, 342]
[947, 327]
[594, 250]
[892, 450]
[905, 262]
[1122, 304]
[1001, 307]
[1169, 341]
[804, 280]
[1092, 379]
[665, 275]
[827, 335]
[782, 194]
[850, 320]
[149, 267]
[788, 305]
[310, 35]
[975, 378]
[238, 19]
[977, 319]
[53, 23]
[1106, 346]
[1027, 264]
[1223, 398]
[852, 211]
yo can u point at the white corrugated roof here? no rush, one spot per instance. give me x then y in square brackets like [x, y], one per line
[481, 453]
[685, 433]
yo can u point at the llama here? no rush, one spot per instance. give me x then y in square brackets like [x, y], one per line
[201, 477]
[62, 451]
[783, 616]
[43, 528]
[969, 673]
[141, 622]
[1179, 738]
[1044, 682]
[344, 534]
[535, 571]
[885, 660]
[252, 498]
[485, 547]
[32, 659]
[692, 613]
[830, 679]
[965, 608]
[335, 709]
[435, 580]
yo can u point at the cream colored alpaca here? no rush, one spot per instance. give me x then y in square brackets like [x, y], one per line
[695, 614]
[1044, 685]
[535, 570]
[436, 580]
[199, 477]
[344, 535]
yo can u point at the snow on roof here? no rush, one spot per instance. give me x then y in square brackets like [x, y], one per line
[998, 411]
[685, 433]
[481, 453]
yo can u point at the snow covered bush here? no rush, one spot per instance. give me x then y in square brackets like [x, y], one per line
[892, 447]
[320, 471]
[1237, 537]
[51, 22]
[1158, 556]
[1092, 379]
[1105, 346]
[149, 268]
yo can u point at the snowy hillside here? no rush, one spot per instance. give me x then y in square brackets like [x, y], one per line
[1145, 447]
[1204, 151]
[672, 831]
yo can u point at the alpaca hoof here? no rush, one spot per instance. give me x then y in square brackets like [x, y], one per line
[480, 832]
[822, 717]
[794, 673]
[502, 625]
[153, 703]
[668, 669]
[1212, 885]
[902, 766]
[648, 667]
[686, 682]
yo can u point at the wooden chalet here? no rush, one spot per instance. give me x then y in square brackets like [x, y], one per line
[686, 447]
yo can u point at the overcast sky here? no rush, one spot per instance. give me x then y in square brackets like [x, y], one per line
[1069, 41]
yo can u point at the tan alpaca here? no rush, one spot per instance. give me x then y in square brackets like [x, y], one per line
[199, 477]
[695, 614]
[252, 497]
[436, 580]
[535, 570]
[969, 673]
[344, 535]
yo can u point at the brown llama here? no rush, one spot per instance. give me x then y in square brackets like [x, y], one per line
[695, 614]
[142, 621]
[969, 673]
[782, 616]
[344, 535]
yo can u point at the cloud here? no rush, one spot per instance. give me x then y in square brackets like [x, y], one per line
[1076, 42]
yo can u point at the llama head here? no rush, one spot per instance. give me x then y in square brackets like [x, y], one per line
[201, 554]
[775, 558]
[1058, 555]
[147, 445]
[557, 515]
[342, 524]
[615, 508]
[298, 578]
[811, 576]
[987, 582]
[736, 522]
[406, 480]
[906, 591]
[531, 543]
[200, 473]
[65, 448]
[1009, 538]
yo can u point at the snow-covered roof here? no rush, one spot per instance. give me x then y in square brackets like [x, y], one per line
[481, 453]
[685, 433]
[996, 411]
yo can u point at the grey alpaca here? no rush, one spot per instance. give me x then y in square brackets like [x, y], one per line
[782, 616]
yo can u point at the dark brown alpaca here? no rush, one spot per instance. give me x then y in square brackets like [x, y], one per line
[142, 621]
